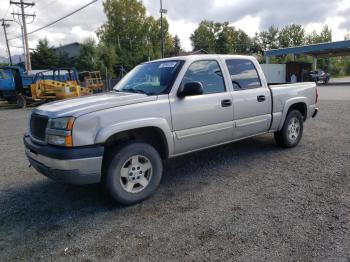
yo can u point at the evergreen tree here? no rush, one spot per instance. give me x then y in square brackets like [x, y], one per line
[44, 56]
[176, 46]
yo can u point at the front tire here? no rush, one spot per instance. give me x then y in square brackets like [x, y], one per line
[292, 130]
[133, 173]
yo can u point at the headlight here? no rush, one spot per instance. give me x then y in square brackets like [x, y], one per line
[59, 131]
[65, 123]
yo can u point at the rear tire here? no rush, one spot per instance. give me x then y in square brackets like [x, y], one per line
[133, 173]
[21, 101]
[292, 130]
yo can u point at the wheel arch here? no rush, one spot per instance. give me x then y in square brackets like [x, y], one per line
[153, 131]
[299, 104]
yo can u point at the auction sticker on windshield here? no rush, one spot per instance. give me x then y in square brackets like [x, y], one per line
[169, 64]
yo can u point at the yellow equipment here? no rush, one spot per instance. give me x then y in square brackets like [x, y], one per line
[51, 89]
[58, 86]
[92, 80]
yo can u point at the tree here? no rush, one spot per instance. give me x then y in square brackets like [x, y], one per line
[324, 36]
[134, 36]
[220, 38]
[44, 56]
[269, 39]
[153, 38]
[243, 43]
[347, 66]
[87, 60]
[106, 59]
[96, 57]
[176, 46]
[226, 38]
[63, 60]
[204, 37]
[291, 35]
[256, 45]
[125, 28]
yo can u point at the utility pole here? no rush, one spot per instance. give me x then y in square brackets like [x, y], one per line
[22, 5]
[162, 11]
[4, 25]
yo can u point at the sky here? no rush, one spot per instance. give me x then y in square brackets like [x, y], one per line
[183, 16]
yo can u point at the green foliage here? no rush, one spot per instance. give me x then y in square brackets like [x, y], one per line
[347, 66]
[125, 28]
[133, 35]
[220, 38]
[87, 59]
[324, 36]
[96, 57]
[44, 56]
[291, 35]
[176, 48]
[204, 36]
[129, 37]
[269, 39]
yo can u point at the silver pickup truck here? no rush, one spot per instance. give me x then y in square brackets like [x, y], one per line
[163, 109]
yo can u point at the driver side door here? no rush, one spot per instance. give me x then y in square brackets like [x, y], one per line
[202, 120]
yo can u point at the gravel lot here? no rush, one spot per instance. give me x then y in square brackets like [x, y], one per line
[248, 201]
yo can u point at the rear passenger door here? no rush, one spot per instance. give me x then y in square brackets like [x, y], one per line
[251, 100]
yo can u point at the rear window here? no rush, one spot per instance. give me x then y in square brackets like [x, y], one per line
[243, 74]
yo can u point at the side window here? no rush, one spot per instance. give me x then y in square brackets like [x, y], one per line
[207, 72]
[3, 74]
[243, 74]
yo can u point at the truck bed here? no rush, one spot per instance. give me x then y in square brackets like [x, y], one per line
[284, 95]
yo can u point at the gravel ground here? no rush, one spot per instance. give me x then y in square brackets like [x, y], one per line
[248, 201]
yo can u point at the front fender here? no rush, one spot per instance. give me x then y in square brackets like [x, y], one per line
[106, 132]
[288, 104]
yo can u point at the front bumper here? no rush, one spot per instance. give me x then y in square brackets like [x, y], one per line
[81, 165]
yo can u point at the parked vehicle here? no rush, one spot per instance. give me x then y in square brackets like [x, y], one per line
[319, 76]
[15, 85]
[62, 83]
[92, 80]
[163, 109]
[19, 87]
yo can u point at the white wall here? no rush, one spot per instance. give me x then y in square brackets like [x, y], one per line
[274, 73]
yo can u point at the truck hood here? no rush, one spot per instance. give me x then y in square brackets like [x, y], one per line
[87, 104]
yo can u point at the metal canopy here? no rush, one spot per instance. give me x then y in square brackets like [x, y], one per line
[339, 48]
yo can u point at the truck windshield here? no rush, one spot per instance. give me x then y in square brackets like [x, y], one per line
[150, 78]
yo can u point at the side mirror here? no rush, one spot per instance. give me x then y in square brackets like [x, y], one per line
[190, 89]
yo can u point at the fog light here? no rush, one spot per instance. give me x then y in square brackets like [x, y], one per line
[56, 140]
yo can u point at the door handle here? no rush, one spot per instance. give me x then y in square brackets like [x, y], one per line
[226, 103]
[261, 98]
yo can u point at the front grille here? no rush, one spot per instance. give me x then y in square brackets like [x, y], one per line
[38, 125]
